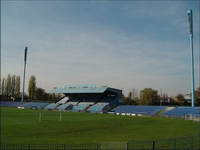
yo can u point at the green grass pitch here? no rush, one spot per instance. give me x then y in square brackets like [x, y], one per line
[24, 127]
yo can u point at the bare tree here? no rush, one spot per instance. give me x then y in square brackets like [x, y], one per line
[17, 86]
[32, 87]
[8, 85]
[134, 93]
[13, 86]
[0, 87]
[3, 86]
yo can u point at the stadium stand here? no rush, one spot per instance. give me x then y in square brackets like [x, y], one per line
[80, 94]
[138, 110]
[64, 107]
[87, 103]
[81, 106]
[99, 107]
[63, 100]
[103, 99]
[10, 104]
[73, 103]
[183, 111]
[33, 105]
[51, 106]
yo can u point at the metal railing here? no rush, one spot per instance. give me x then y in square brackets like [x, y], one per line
[184, 143]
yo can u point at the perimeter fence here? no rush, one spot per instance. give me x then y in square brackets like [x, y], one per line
[184, 143]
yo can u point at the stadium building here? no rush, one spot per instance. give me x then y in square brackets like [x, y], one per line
[89, 98]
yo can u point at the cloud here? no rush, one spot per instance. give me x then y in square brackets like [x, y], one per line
[86, 57]
[103, 53]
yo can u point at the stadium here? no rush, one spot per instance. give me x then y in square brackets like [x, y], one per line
[129, 45]
[92, 117]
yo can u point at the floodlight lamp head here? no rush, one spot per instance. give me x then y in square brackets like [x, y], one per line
[25, 53]
[189, 12]
[190, 21]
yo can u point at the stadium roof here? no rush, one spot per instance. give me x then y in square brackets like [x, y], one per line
[83, 89]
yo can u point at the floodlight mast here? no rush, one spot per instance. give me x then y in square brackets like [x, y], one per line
[190, 20]
[25, 58]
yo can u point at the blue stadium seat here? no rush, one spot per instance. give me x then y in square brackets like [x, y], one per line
[142, 110]
[10, 104]
[183, 111]
[34, 105]
[73, 103]
[51, 106]
[80, 107]
[64, 107]
[99, 107]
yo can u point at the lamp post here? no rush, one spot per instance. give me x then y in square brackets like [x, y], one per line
[190, 20]
[25, 58]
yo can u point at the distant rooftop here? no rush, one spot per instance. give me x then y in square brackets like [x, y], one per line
[82, 86]
[86, 88]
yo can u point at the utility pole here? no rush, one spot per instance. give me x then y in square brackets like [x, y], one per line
[190, 20]
[25, 58]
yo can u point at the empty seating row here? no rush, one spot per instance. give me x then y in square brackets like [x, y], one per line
[87, 103]
[33, 105]
[51, 106]
[73, 106]
[183, 111]
[72, 103]
[140, 110]
[80, 107]
[99, 107]
[64, 107]
[103, 106]
[10, 104]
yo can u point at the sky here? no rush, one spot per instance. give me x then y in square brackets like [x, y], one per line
[121, 44]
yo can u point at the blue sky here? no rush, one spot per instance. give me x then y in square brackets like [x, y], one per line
[131, 44]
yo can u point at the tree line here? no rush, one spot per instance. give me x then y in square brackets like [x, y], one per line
[10, 88]
[149, 96]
